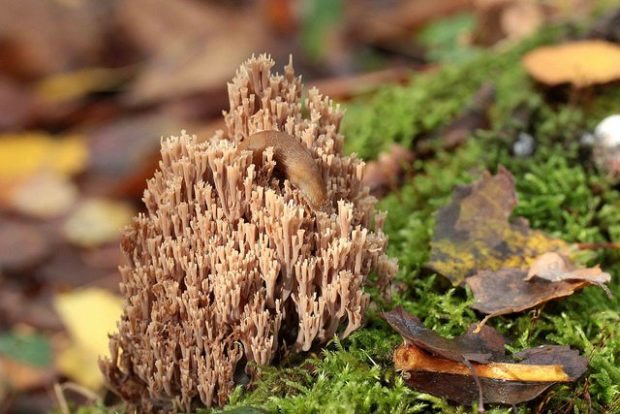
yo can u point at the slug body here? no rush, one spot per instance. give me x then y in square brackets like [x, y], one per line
[294, 160]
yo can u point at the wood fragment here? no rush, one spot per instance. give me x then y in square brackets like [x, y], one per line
[411, 358]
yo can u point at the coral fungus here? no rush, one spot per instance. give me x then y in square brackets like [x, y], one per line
[231, 263]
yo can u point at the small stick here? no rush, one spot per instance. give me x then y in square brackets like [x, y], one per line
[62, 401]
[595, 246]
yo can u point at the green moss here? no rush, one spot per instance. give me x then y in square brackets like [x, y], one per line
[397, 114]
[559, 192]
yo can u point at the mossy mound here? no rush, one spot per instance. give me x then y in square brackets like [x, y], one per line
[559, 192]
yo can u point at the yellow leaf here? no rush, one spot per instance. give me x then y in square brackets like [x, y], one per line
[73, 85]
[89, 316]
[44, 195]
[97, 221]
[474, 231]
[22, 155]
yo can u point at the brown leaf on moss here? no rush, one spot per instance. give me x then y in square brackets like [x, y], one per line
[445, 367]
[22, 247]
[388, 171]
[556, 267]
[507, 291]
[474, 231]
[478, 347]
[500, 382]
[581, 64]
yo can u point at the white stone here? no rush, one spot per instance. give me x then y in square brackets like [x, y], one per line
[607, 132]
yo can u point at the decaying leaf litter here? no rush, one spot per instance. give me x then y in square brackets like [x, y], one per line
[89, 105]
[508, 266]
[474, 367]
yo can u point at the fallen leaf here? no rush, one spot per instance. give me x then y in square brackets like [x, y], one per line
[581, 63]
[209, 41]
[16, 105]
[43, 195]
[374, 23]
[41, 37]
[506, 19]
[342, 88]
[478, 347]
[70, 267]
[22, 155]
[66, 86]
[501, 383]
[555, 267]
[507, 291]
[38, 314]
[97, 221]
[89, 316]
[474, 232]
[494, 379]
[22, 247]
[385, 173]
[20, 376]
[25, 362]
[125, 152]
[34, 350]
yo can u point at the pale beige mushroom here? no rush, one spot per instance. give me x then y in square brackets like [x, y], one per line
[230, 264]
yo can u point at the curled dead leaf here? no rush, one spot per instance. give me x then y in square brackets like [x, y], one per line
[556, 267]
[478, 347]
[507, 291]
[443, 367]
[500, 382]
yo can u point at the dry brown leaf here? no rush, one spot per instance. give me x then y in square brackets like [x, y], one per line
[16, 105]
[209, 42]
[445, 367]
[473, 232]
[507, 291]
[125, 152]
[506, 19]
[38, 37]
[555, 267]
[385, 173]
[500, 382]
[581, 63]
[20, 376]
[478, 347]
[22, 247]
[550, 277]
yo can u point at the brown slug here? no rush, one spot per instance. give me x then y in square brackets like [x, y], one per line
[294, 160]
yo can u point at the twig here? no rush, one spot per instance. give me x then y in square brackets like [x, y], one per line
[595, 246]
[60, 397]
